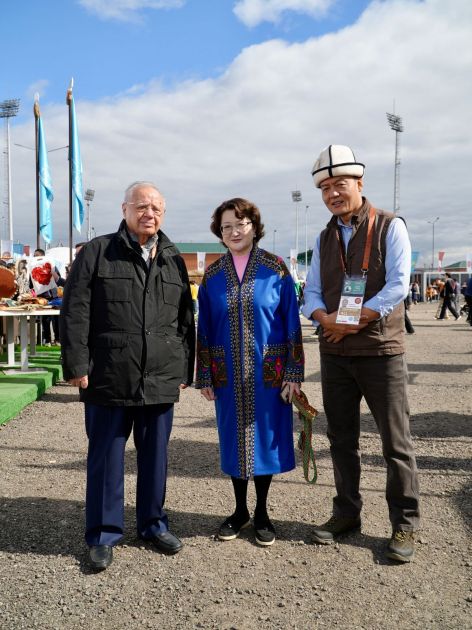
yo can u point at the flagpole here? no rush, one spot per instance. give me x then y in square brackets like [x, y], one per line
[36, 119]
[69, 103]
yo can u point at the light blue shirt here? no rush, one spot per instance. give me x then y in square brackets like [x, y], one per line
[397, 272]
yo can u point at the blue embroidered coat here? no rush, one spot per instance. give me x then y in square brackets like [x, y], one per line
[249, 341]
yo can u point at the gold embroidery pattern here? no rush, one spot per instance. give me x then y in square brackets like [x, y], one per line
[247, 302]
[241, 317]
[214, 268]
[295, 366]
[273, 262]
[274, 358]
[203, 364]
[219, 376]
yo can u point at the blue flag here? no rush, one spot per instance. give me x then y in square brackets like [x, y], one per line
[76, 162]
[414, 260]
[46, 193]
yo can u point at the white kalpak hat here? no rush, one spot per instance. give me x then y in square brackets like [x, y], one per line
[336, 160]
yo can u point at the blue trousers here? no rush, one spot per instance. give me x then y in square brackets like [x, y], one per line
[108, 429]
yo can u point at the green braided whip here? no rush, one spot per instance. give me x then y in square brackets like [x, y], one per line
[307, 414]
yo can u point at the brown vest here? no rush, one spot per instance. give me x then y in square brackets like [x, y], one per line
[379, 337]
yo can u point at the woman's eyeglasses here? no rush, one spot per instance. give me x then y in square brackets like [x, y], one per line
[229, 228]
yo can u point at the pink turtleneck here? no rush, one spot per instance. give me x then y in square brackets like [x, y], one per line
[240, 264]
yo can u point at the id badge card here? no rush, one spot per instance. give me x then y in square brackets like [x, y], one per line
[352, 298]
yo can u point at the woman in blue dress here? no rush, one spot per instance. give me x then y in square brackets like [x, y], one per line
[249, 349]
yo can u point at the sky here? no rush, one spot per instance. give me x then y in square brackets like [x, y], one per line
[214, 99]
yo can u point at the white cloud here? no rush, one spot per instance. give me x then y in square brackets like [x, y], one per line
[256, 130]
[40, 87]
[253, 12]
[127, 10]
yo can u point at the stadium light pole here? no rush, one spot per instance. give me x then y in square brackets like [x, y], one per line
[296, 198]
[9, 109]
[306, 241]
[273, 241]
[88, 196]
[396, 125]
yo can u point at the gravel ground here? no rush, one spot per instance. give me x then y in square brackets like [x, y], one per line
[45, 582]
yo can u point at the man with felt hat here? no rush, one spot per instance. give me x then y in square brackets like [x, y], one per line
[358, 279]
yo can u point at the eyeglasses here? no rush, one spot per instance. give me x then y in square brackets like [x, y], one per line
[141, 208]
[228, 228]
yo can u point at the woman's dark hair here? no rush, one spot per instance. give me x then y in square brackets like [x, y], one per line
[243, 209]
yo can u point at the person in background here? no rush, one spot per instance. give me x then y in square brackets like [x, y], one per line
[249, 351]
[449, 290]
[194, 292]
[430, 293]
[468, 300]
[366, 360]
[440, 297]
[49, 320]
[409, 328]
[128, 336]
[22, 279]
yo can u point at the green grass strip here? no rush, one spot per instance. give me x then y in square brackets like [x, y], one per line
[19, 390]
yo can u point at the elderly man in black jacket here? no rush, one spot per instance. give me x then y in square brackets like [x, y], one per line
[128, 338]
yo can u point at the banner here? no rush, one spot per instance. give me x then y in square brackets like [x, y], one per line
[414, 260]
[440, 259]
[40, 271]
[293, 264]
[75, 165]
[468, 262]
[46, 193]
[201, 262]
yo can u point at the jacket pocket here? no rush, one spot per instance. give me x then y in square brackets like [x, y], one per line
[114, 286]
[274, 359]
[166, 361]
[171, 286]
[112, 300]
[109, 370]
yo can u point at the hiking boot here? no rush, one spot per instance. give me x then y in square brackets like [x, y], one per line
[401, 546]
[230, 529]
[336, 526]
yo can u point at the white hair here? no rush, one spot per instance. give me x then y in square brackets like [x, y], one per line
[139, 184]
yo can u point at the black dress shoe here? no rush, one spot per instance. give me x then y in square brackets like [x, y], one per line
[100, 556]
[166, 542]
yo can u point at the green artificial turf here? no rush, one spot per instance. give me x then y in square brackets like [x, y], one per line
[19, 390]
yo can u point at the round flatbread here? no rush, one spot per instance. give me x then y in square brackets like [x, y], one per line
[7, 283]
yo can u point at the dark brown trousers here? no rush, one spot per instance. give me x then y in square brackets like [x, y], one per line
[382, 381]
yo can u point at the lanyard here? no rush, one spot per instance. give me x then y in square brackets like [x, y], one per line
[367, 247]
